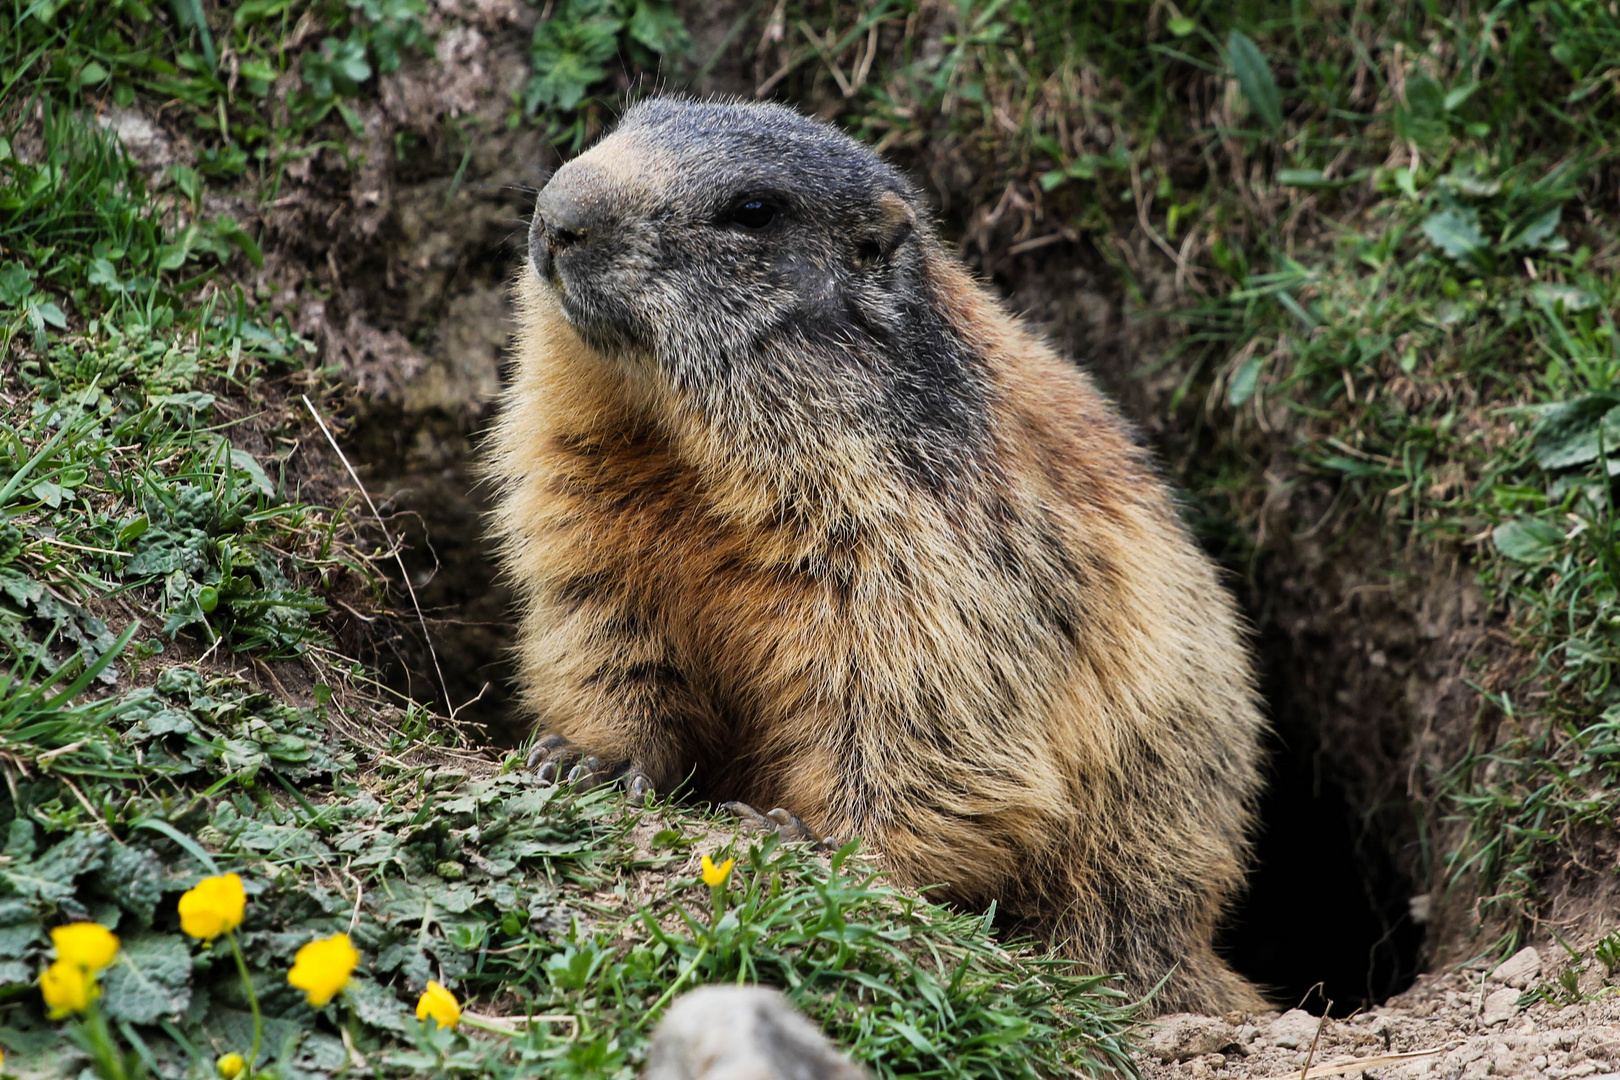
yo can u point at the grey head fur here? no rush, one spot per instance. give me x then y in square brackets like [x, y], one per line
[770, 270]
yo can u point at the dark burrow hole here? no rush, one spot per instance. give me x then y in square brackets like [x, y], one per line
[1327, 917]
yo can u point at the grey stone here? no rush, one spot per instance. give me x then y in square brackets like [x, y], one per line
[1293, 1030]
[742, 1033]
[1520, 969]
[1500, 1006]
[142, 139]
[1183, 1036]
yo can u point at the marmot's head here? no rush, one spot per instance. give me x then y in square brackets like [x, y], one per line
[707, 225]
[770, 269]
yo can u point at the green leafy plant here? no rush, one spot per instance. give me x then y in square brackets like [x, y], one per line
[572, 49]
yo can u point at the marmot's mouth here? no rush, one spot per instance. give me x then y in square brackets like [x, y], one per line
[600, 327]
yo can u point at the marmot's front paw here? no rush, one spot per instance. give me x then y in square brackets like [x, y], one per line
[555, 758]
[779, 821]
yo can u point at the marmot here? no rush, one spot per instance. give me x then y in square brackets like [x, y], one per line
[796, 511]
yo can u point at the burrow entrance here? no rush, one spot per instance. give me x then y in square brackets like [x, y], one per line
[1327, 923]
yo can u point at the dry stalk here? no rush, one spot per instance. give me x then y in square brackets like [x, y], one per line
[404, 574]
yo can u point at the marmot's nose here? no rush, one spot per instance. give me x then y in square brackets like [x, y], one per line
[561, 221]
[567, 222]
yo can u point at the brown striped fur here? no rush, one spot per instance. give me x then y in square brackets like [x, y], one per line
[979, 637]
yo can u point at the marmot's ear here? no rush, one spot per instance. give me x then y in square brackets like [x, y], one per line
[895, 221]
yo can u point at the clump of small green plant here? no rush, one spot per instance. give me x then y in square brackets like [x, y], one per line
[1607, 952]
[574, 47]
[512, 896]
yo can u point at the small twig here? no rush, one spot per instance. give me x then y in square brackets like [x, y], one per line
[404, 574]
[51, 755]
[825, 49]
[271, 675]
[80, 547]
[352, 611]
[84, 802]
[1310, 1054]
[359, 894]
[355, 1056]
[1360, 1064]
[781, 73]
[1036, 243]
[1143, 205]
[864, 67]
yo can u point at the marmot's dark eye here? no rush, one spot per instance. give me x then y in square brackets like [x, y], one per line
[754, 213]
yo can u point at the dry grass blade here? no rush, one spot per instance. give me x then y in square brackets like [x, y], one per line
[1358, 1065]
[1316, 1039]
[404, 574]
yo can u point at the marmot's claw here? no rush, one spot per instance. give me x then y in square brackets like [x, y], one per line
[588, 773]
[548, 756]
[638, 787]
[544, 748]
[779, 821]
[556, 760]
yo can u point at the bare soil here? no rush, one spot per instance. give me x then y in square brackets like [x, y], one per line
[1467, 1023]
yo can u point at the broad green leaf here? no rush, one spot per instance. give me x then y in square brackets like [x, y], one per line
[569, 54]
[1527, 539]
[138, 875]
[228, 228]
[1254, 78]
[656, 25]
[1421, 114]
[1576, 431]
[376, 1005]
[243, 461]
[1572, 298]
[16, 282]
[150, 980]
[20, 931]
[1244, 382]
[1538, 228]
[50, 313]
[51, 877]
[1456, 232]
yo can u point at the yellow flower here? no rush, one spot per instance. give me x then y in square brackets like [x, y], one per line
[440, 1004]
[86, 945]
[323, 967]
[213, 907]
[715, 876]
[231, 1065]
[68, 988]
